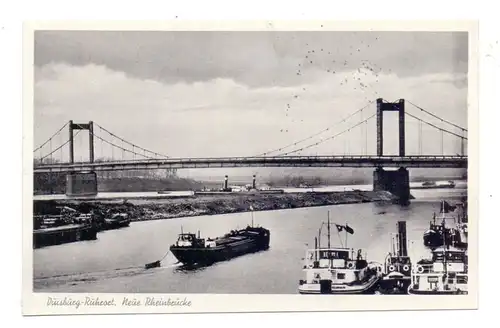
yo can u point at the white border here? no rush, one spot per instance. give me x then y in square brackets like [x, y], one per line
[35, 303]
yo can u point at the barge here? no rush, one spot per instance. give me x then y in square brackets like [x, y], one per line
[63, 234]
[190, 249]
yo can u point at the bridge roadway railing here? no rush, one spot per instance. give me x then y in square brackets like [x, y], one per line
[278, 161]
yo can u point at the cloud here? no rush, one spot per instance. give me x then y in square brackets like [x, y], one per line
[222, 117]
[253, 58]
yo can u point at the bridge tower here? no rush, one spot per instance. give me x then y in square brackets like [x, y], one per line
[397, 182]
[81, 183]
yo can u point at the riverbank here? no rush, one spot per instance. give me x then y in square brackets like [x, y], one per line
[157, 209]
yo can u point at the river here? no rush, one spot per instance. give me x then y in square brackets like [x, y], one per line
[114, 262]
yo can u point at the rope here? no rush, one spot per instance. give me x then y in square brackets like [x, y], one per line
[314, 135]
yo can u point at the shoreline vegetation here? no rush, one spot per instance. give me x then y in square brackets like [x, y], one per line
[131, 181]
[170, 208]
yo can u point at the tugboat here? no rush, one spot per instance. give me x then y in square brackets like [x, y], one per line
[446, 273]
[397, 266]
[191, 249]
[338, 270]
[446, 232]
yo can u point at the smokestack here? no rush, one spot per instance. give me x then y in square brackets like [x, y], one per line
[402, 247]
[225, 182]
[253, 182]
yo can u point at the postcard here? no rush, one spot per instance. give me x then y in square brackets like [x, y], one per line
[197, 167]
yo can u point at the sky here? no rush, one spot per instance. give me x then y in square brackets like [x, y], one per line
[202, 94]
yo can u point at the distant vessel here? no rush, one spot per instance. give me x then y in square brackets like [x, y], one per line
[337, 270]
[116, 221]
[446, 273]
[435, 185]
[191, 249]
[397, 266]
[448, 230]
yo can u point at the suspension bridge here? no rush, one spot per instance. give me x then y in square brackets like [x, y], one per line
[121, 154]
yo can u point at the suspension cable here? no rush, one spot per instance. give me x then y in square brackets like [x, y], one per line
[316, 134]
[129, 143]
[435, 126]
[439, 118]
[329, 138]
[51, 137]
[59, 146]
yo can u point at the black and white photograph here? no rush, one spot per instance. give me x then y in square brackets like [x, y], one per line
[250, 162]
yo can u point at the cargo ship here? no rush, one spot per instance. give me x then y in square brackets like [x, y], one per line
[190, 249]
[338, 270]
[397, 266]
[434, 185]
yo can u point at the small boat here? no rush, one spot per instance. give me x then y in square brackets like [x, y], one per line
[446, 273]
[338, 270]
[435, 185]
[116, 221]
[449, 231]
[190, 249]
[397, 266]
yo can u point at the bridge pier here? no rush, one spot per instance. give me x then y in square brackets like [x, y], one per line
[396, 182]
[81, 184]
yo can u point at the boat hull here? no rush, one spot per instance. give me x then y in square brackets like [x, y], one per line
[368, 287]
[63, 235]
[388, 286]
[412, 291]
[116, 224]
[207, 256]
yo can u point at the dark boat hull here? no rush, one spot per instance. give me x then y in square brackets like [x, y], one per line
[115, 224]
[396, 286]
[207, 256]
[431, 292]
[63, 235]
[435, 239]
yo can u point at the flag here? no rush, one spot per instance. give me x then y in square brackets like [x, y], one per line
[251, 208]
[446, 207]
[349, 229]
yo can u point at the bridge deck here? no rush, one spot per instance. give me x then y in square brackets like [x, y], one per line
[282, 161]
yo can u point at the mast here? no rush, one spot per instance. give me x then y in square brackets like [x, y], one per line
[328, 229]
[346, 235]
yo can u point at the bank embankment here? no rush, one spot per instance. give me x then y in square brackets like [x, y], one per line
[155, 209]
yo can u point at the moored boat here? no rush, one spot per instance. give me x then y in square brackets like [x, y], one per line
[338, 270]
[397, 266]
[448, 229]
[116, 221]
[446, 273]
[64, 234]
